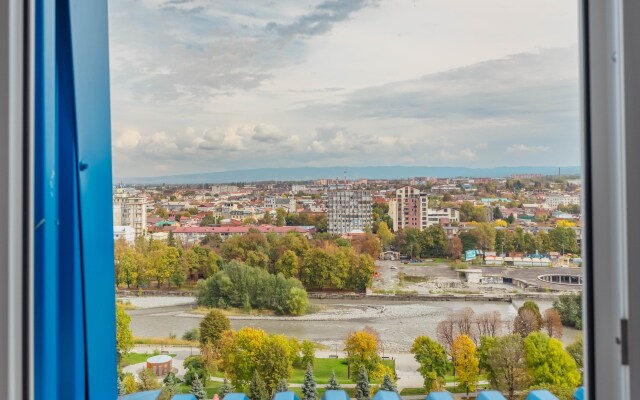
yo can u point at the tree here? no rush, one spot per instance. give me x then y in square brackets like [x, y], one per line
[385, 235]
[197, 388]
[129, 384]
[526, 322]
[124, 336]
[363, 388]
[280, 216]
[288, 264]
[170, 385]
[432, 358]
[455, 248]
[388, 384]
[241, 353]
[212, 326]
[466, 362]
[486, 344]
[497, 214]
[552, 323]
[308, 352]
[282, 386]
[147, 380]
[576, 351]
[171, 240]
[362, 351]
[121, 388]
[275, 362]
[488, 323]
[548, 362]
[266, 219]
[569, 306]
[225, 389]
[507, 361]
[257, 388]
[564, 240]
[446, 333]
[333, 382]
[533, 306]
[309, 391]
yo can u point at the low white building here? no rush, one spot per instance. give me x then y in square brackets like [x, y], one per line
[127, 233]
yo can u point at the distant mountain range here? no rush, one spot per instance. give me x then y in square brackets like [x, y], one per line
[312, 173]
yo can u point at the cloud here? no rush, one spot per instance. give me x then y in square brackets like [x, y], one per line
[321, 19]
[522, 148]
[268, 134]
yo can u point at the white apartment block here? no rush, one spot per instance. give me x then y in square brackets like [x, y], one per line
[349, 210]
[555, 200]
[129, 209]
[274, 202]
[441, 216]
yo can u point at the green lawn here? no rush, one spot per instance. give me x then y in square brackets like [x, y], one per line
[413, 392]
[322, 370]
[211, 388]
[136, 358]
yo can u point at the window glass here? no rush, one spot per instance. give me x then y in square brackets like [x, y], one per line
[391, 185]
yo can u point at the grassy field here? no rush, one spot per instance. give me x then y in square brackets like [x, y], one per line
[322, 370]
[136, 358]
[165, 341]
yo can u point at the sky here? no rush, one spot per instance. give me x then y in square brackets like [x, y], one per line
[215, 85]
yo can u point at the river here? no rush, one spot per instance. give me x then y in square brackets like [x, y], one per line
[398, 322]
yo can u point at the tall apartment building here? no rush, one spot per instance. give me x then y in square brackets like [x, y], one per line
[555, 200]
[411, 209]
[129, 209]
[349, 210]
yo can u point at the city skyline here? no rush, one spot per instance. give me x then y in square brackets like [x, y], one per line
[204, 87]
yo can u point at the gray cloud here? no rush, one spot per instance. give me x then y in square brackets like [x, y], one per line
[321, 19]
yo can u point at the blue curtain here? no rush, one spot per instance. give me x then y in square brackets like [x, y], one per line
[74, 311]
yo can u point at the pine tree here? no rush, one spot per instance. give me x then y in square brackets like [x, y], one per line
[225, 389]
[121, 391]
[309, 391]
[282, 386]
[170, 384]
[197, 388]
[333, 382]
[171, 241]
[363, 388]
[257, 388]
[388, 384]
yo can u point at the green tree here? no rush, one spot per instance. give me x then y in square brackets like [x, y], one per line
[212, 326]
[171, 240]
[308, 352]
[363, 387]
[267, 219]
[432, 358]
[486, 344]
[257, 388]
[124, 336]
[225, 389]
[388, 384]
[309, 391]
[466, 362]
[147, 380]
[576, 351]
[197, 388]
[533, 306]
[333, 382]
[121, 389]
[274, 363]
[564, 240]
[208, 220]
[548, 362]
[288, 264]
[507, 361]
[280, 216]
[170, 385]
[282, 386]
[569, 306]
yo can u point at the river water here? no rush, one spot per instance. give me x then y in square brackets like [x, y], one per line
[398, 322]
